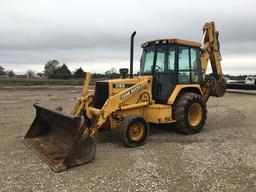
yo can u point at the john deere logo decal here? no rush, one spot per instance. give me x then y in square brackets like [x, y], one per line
[131, 91]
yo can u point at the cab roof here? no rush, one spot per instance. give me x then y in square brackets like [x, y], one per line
[171, 41]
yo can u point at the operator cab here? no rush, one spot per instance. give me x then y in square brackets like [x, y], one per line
[170, 62]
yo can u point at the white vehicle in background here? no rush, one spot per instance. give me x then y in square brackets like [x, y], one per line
[231, 81]
[250, 80]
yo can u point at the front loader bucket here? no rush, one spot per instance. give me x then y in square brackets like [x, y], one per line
[58, 139]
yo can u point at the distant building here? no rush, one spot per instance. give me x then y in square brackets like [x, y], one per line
[40, 75]
[21, 76]
[4, 76]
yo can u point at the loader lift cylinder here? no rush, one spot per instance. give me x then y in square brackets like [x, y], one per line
[131, 53]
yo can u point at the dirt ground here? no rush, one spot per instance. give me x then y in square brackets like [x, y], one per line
[220, 158]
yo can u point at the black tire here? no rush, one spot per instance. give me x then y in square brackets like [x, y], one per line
[182, 113]
[128, 125]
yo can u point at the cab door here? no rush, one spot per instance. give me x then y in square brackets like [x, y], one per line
[189, 67]
[164, 76]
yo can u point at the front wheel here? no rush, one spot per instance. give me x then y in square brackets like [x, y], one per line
[190, 113]
[134, 131]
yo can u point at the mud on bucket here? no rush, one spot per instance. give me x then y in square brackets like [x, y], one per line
[58, 139]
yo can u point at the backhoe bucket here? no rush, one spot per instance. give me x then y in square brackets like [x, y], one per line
[59, 139]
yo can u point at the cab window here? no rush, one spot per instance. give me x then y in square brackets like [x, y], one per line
[184, 67]
[195, 65]
[147, 60]
[160, 60]
[189, 65]
[165, 59]
[171, 58]
[183, 58]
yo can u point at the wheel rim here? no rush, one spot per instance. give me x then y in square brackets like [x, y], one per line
[195, 114]
[136, 131]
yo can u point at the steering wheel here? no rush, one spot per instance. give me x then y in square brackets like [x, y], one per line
[158, 68]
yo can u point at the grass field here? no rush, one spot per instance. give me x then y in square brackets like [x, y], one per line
[34, 82]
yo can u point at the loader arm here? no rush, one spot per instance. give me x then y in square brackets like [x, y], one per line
[210, 50]
[113, 104]
[83, 99]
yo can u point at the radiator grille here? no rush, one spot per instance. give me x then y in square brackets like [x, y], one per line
[101, 94]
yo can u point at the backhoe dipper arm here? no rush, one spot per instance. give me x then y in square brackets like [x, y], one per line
[113, 104]
[210, 50]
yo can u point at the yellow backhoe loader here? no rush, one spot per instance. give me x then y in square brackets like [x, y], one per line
[172, 86]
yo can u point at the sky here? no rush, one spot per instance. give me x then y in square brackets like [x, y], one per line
[95, 35]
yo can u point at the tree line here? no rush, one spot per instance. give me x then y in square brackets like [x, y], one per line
[53, 69]
[8, 73]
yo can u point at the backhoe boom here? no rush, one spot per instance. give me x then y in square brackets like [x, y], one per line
[210, 50]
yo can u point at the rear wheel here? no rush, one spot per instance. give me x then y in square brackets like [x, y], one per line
[134, 131]
[190, 113]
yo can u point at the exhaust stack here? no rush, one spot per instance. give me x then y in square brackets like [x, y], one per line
[131, 53]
